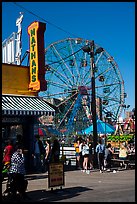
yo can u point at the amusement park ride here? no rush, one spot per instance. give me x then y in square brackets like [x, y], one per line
[69, 84]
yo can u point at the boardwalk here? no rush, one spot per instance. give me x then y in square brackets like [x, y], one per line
[81, 187]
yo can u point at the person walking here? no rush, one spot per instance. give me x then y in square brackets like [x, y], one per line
[55, 151]
[78, 154]
[85, 154]
[7, 154]
[17, 172]
[8, 151]
[20, 142]
[100, 150]
[38, 154]
[107, 157]
[47, 153]
[90, 159]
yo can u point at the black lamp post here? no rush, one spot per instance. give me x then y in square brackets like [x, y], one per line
[90, 49]
[125, 108]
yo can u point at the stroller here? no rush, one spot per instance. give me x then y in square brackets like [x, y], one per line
[14, 186]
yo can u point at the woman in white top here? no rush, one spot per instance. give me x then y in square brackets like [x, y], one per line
[47, 153]
[85, 154]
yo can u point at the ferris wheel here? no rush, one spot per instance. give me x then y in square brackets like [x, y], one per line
[68, 76]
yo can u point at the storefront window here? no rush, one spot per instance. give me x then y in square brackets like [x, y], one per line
[11, 132]
[15, 130]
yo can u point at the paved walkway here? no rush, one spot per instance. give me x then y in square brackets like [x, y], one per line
[81, 187]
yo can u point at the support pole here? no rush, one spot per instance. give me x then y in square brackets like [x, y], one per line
[93, 102]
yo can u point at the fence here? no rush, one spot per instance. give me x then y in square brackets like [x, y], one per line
[68, 155]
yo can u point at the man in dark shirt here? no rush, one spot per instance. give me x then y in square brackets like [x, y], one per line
[55, 151]
[38, 152]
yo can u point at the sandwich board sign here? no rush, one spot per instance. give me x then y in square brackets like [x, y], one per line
[56, 174]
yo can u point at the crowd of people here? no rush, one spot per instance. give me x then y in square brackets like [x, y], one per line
[48, 151]
[43, 153]
[14, 155]
[83, 148]
[85, 158]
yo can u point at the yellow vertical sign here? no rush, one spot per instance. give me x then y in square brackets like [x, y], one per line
[34, 81]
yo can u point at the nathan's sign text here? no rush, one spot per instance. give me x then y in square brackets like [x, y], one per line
[37, 56]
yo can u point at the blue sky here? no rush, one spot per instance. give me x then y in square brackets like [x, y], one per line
[110, 24]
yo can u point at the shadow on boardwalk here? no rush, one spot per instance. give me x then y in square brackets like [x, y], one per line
[48, 196]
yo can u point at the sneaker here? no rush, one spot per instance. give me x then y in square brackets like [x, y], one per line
[114, 171]
[88, 171]
[108, 169]
[100, 171]
[84, 170]
[104, 169]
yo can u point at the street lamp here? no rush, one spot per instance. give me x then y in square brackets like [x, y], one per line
[125, 107]
[90, 50]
